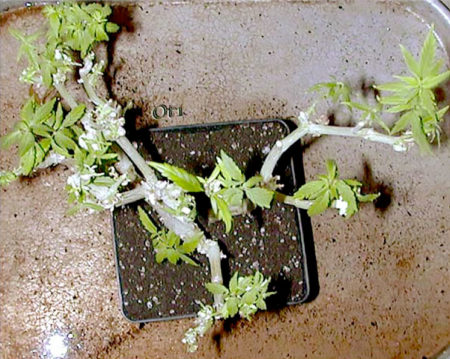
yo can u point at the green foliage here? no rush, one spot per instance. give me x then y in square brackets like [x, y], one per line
[336, 91]
[413, 95]
[91, 187]
[227, 189]
[6, 177]
[369, 114]
[42, 129]
[329, 190]
[79, 26]
[72, 27]
[167, 244]
[179, 176]
[244, 295]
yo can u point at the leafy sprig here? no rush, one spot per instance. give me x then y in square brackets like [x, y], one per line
[226, 187]
[41, 129]
[94, 186]
[73, 27]
[79, 26]
[329, 190]
[244, 296]
[228, 190]
[336, 91]
[167, 244]
[413, 96]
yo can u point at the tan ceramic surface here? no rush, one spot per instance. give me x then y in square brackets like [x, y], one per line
[383, 274]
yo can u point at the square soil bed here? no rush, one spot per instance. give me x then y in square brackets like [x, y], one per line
[271, 241]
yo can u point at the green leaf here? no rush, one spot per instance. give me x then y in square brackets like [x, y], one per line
[189, 245]
[6, 177]
[216, 288]
[403, 122]
[229, 168]
[252, 181]
[358, 106]
[440, 114]
[331, 170]
[59, 150]
[41, 150]
[161, 255]
[249, 297]
[147, 222]
[173, 256]
[400, 108]
[261, 197]
[353, 183]
[179, 176]
[427, 54]
[412, 64]
[419, 135]
[58, 117]
[42, 130]
[412, 81]
[26, 142]
[261, 304]
[223, 212]
[393, 100]
[65, 142]
[234, 283]
[27, 111]
[394, 86]
[74, 115]
[427, 101]
[310, 190]
[27, 161]
[112, 27]
[320, 204]
[9, 139]
[188, 260]
[43, 112]
[348, 196]
[232, 196]
[367, 197]
[432, 82]
[232, 307]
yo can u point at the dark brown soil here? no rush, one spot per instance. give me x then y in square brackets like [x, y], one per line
[265, 240]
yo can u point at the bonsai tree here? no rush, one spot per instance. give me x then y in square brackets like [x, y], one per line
[88, 134]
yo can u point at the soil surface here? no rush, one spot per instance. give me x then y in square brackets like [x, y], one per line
[264, 240]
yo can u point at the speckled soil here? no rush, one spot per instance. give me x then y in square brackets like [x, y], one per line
[383, 274]
[266, 240]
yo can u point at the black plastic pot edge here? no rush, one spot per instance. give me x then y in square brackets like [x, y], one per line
[306, 243]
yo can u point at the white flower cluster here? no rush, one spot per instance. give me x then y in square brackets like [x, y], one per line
[28, 75]
[212, 187]
[204, 321]
[61, 55]
[102, 125]
[90, 72]
[52, 159]
[59, 78]
[172, 197]
[88, 186]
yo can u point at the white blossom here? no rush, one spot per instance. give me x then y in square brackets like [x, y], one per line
[204, 321]
[342, 206]
[52, 160]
